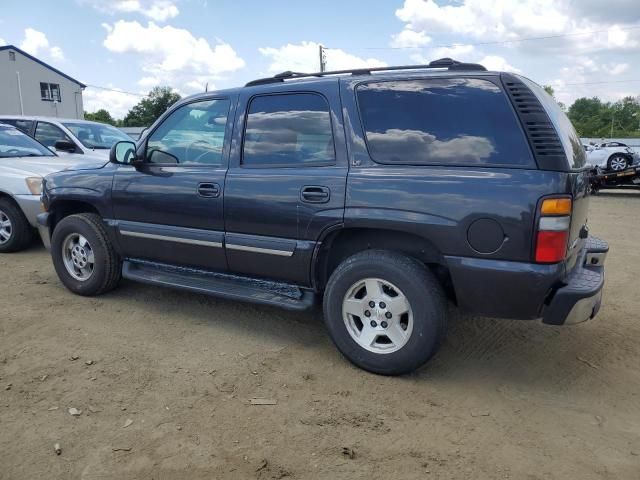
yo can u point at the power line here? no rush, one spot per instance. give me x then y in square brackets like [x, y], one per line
[606, 81]
[118, 91]
[500, 42]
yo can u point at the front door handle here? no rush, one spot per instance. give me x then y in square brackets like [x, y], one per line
[209, 190]
[315, 194]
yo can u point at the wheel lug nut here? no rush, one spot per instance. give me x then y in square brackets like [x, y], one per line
[372, 304]
[384, 324]
[374, 324]
[367, 313]
[388, 315]
[383, 305]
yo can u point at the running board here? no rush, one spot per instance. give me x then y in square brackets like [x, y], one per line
[222, 285]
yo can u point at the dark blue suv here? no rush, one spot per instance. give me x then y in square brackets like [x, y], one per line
[386, 192]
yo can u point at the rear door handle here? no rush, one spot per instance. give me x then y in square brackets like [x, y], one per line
[315, 194]
[209, 190]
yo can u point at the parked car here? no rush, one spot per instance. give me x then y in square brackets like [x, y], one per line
[23, 163]
[613, 156]
[385, 191]
[68, 136]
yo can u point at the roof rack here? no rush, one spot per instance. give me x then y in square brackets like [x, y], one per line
[447, 63]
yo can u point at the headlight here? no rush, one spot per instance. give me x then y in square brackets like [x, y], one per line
[34, 184]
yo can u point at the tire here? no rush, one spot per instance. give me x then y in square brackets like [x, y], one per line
[102, 266]
[15, 231]
[617, 163]
[388, 272]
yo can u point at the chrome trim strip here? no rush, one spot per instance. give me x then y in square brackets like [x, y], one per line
[268, 251]
[153, 236]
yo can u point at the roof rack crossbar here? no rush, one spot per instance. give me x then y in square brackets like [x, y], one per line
[447, 63]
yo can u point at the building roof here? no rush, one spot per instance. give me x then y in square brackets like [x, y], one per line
[31, 57]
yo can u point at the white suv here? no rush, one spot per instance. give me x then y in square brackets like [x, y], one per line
[68, 136]
[615, 156]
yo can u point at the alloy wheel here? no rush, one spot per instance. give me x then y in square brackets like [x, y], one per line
[377, 315]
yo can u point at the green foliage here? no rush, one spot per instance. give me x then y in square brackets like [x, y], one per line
[594, 118]
[151, 107]
[100, 116]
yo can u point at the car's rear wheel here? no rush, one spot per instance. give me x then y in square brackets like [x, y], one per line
[83, 255]
[15, 231]
[385, 311]
[618, 163]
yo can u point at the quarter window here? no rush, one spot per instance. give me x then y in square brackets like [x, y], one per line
[461, 121]
[193, 134]
[50, 92]
[288, 130]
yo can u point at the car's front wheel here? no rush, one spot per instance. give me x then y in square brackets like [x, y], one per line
[15, 231]
[83, 255]
[385, 311]
[618, 163]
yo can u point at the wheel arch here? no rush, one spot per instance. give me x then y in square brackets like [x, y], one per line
[342, 243]
[64, 207]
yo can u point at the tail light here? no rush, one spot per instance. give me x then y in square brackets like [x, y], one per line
[553, 230]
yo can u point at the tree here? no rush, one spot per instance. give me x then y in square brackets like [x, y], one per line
[549, 89]
[594, 118]
[100, 116]
[151, 107]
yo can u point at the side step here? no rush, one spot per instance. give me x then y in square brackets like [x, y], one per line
[222, 285]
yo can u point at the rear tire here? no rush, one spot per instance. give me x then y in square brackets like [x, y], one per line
[83, 255]
[15, 231]
[617, 163]
[385, 312]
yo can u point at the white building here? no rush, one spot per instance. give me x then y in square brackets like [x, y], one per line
[31, 87]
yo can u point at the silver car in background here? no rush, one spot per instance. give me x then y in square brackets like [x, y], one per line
[68, 136]
[612, 156]
[23, 164]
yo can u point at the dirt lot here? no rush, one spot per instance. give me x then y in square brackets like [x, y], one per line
[164, 381]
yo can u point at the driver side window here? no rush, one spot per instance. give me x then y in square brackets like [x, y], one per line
[192, 135]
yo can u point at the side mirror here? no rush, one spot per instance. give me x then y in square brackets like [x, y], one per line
[65, 146]
[123, 153]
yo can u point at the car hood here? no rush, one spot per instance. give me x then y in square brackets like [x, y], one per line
[41, 166]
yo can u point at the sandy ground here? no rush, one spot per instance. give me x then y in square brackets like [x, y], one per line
[164, 380]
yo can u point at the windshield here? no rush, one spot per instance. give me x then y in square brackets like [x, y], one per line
[96, 135]
[14, 143]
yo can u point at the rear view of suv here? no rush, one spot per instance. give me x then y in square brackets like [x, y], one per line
[385, 192]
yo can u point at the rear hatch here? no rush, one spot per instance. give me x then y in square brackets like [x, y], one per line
[575, 167]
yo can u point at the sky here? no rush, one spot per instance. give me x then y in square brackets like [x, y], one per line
[590, 47]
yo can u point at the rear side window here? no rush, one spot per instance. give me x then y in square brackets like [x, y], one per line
[460, 121]
[288, 130]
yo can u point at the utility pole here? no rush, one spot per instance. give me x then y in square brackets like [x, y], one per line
[323, 58]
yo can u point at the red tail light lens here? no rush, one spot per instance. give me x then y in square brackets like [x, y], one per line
[553, 229]
[551, 247]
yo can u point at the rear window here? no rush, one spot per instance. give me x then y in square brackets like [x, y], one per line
[570, 141]
[461, 121]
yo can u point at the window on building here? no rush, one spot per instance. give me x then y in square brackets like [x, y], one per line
[50, 92]
[12, 56]
[288, 130]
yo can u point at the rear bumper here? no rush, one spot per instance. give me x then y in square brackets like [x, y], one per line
[580, 297]
[43, 229]
[528, 291]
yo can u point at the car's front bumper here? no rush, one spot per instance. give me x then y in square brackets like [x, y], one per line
[30, 206]
[580, 297]
[44, 230]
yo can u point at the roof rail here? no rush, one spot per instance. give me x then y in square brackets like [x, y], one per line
[447, 63]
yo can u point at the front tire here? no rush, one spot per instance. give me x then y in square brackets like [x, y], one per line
[15, 232]
[618, 163]
[385, 312]
[83, 255]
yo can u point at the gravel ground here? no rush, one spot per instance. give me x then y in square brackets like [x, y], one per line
[164, 382]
